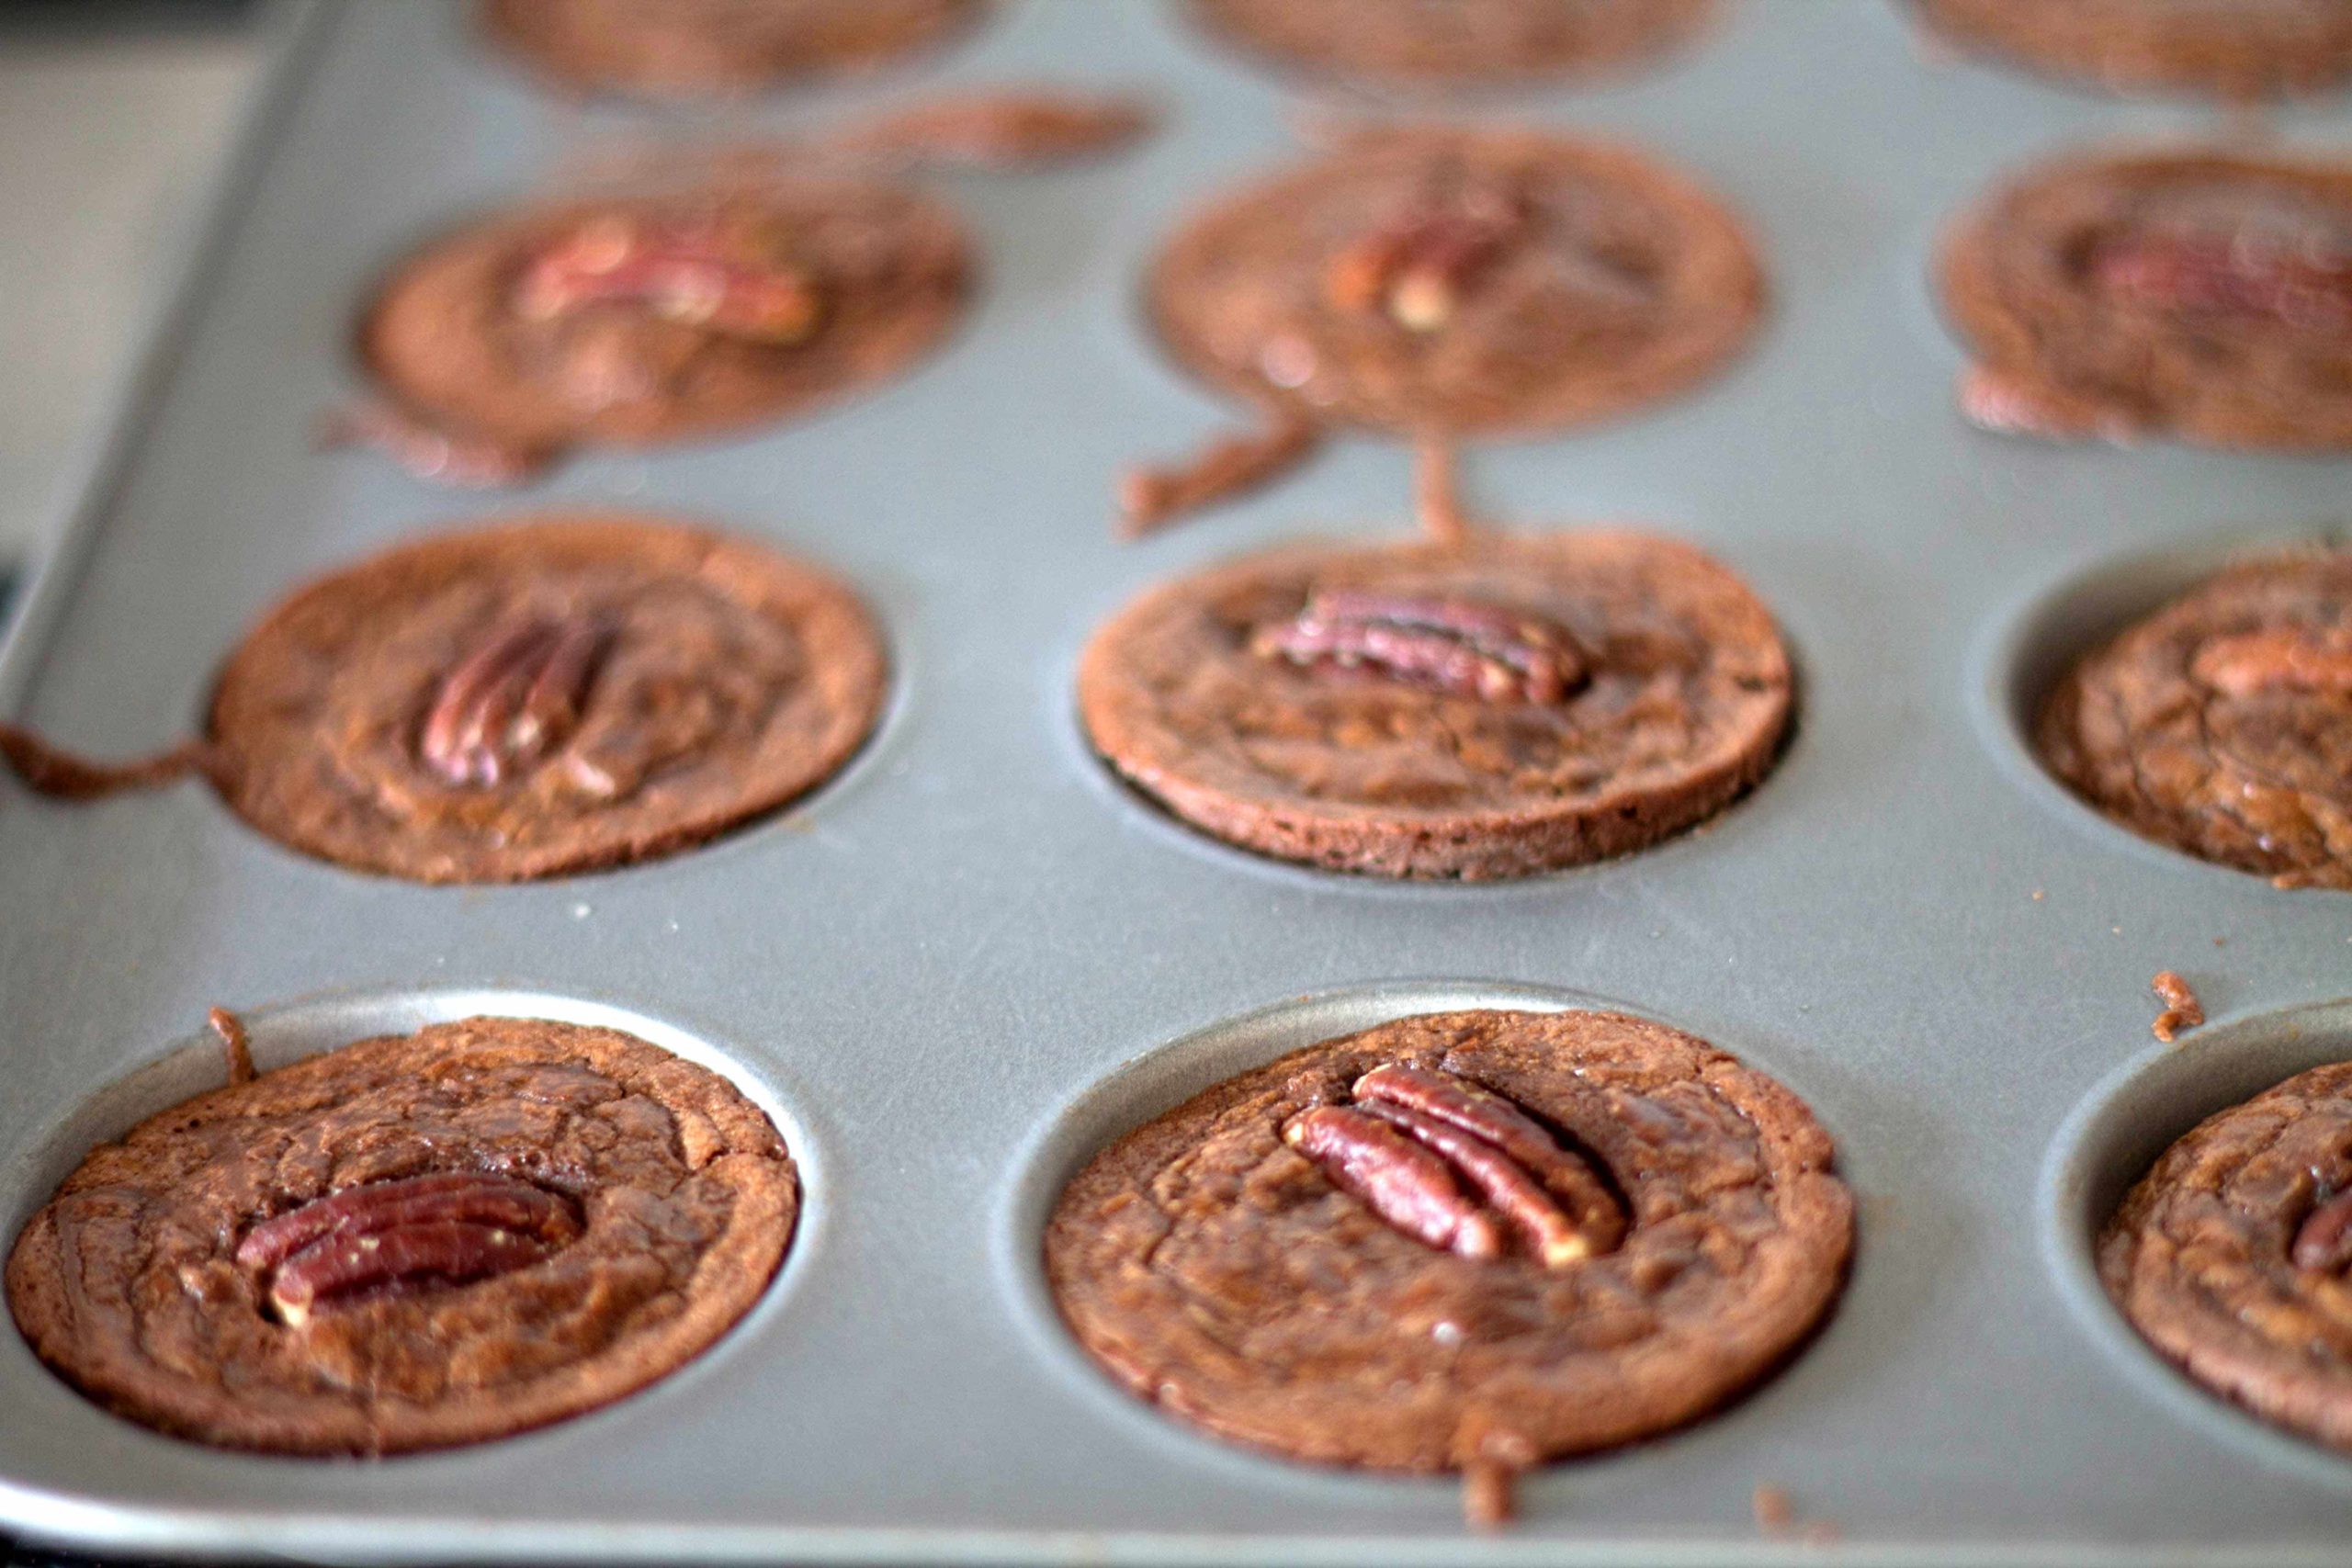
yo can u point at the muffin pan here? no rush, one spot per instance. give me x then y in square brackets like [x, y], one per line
[940, 964]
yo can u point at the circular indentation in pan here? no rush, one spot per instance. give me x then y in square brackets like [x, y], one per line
[1161, 1079]
[284, 1033]
[2109, 1143]
[2030, 644]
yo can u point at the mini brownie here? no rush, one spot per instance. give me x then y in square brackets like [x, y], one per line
[1465, 43]
[2230, 1255]
[1463, 1240]
[639, 320]
[2204, 296]
[2222, 724]
[716, 47]
[2235, 49]
[411, 1242]
[544, 696]
[1441, 281]
[1482, 709]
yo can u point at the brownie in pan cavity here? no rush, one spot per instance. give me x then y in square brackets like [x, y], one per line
[1433, 282]
[2241, 50]
[640, 319]
[2222, 724]
[2201, 294]
[1490, 706]
[2230, 1256]
[547, 696]
[1460, 1242]
[408, 1243]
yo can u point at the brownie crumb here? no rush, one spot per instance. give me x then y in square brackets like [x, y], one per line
[235, 1044]
[1489, 1494]
[2182, 1010]
[1776, 1515]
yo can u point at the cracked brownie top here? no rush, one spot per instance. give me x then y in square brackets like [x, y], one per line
[2222, 724]
[1463, 1240]
[411, 1242]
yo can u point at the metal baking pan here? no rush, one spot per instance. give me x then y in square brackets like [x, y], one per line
[964, 964]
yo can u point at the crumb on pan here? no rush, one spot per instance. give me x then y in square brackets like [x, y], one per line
[2182, 1010]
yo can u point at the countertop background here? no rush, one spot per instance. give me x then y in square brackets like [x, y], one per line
[112, 118]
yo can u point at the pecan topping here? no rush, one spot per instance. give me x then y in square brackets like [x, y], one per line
[1446, 644]
[512, 700]
[2229, 275]
[2325, 1240]
[703, 274]
[447, 1229]
[1416, 267]
[1415, 1138]
[2304, 659]
[1405, 1184]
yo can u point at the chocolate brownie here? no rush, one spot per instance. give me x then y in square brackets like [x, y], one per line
[548, 696]
[1459, 44]
[1461, 1241]
[698, 48]
[411, 1242]
[637, 319]
[2230, 1256]
[2235, 49]
[2222, 724]
[1485, 282]
[2206, 296]
[1489, 708]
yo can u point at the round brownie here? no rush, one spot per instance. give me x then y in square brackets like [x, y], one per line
[411, 1242]
[705, 47]
[2222, 724]
[1487, 282]
[2203, 295]
[548, 696]
[2230, 1256]
[1465, 43]
[2235, 49]
[1489, 708]
[638, 320]
[1463, 1239]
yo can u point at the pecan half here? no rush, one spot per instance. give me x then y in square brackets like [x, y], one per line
[2218, 274]
[447, 1229]
[2325, 1239]
[1403, 1183]
[1416, 267]
[511, 700]
[1447, 645]
[1415, 1138]
[701, 274]
[2302, 658]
